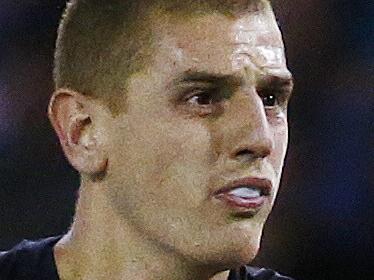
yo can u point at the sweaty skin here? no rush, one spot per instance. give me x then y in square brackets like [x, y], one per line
[260, 51]
[153, 215]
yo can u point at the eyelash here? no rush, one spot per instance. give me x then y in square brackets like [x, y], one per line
[201, 93]
[275, 97]
[205, 108]
[271, 96]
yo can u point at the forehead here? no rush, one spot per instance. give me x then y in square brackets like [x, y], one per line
[219, 43]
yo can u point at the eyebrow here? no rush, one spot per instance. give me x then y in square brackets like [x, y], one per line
[284, 80]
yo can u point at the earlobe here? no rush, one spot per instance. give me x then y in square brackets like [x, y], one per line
[70, 115]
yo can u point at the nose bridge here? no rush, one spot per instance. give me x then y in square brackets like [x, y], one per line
[253, 135]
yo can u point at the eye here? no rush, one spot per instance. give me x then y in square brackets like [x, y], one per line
[204, 101]
[269, 100]
[201, 98]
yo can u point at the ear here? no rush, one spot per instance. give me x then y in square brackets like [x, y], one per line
[71, 115]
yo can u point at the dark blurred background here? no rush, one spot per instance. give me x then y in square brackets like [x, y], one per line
[322, 226]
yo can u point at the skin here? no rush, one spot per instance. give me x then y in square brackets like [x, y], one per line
[146, 209]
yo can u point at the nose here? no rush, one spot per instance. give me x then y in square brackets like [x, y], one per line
[261, 148]
[254, 138]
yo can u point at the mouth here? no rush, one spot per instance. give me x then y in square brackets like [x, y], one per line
[245, 196]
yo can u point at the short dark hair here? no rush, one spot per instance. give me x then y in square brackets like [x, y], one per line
[100, 43]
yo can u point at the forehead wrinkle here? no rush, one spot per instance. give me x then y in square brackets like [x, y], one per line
[257, 53]
[257, 41]
[248, 66]
[190, 55]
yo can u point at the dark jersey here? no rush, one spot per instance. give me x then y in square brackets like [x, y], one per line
[34, 260]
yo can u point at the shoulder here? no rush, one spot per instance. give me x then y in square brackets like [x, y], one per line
[27, 259]
[254, 273]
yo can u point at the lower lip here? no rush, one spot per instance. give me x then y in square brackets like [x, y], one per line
[240, 203]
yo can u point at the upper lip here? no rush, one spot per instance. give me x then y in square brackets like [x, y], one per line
[263, 184]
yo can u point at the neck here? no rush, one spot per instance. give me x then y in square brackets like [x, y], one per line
[101, 245]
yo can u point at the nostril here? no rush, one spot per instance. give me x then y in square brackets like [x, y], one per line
[248, 154]
[243, 152]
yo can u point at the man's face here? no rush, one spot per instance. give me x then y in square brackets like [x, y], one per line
[209, 109]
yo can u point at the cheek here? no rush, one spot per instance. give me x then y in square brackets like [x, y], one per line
[183, 163]
[158, 159]
[280, 145]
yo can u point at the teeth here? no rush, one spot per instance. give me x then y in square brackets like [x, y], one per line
[246, 192]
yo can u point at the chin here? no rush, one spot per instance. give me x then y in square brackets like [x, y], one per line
[231, 249]
[236, 258]
[246, 243]
[248, 254]
[244, 252]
